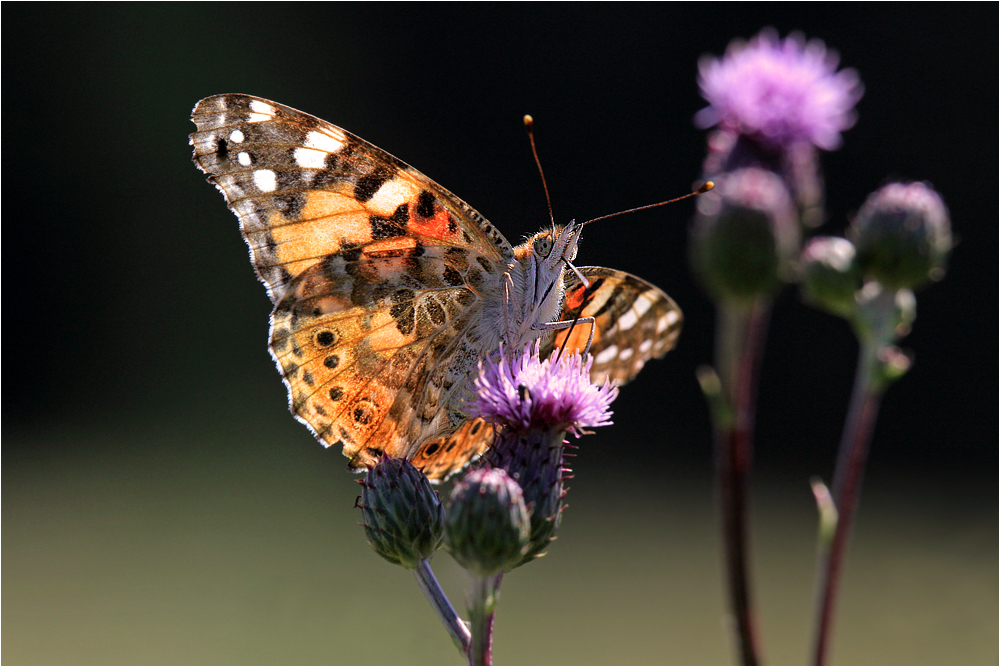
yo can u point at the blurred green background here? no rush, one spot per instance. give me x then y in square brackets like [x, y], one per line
[161, 506]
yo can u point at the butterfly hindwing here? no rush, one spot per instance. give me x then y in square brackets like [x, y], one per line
[635, 322]
[378, 364]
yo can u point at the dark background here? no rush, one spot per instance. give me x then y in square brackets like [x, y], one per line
[160, 505]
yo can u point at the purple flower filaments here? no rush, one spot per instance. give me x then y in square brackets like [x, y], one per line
[523, 392]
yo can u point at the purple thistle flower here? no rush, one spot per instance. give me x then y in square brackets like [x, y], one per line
[524, 392]
[779, 92]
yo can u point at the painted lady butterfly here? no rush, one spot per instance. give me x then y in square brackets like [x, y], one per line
[388, 289]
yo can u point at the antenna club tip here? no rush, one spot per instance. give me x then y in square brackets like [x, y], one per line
[709, 185]
[528, 121]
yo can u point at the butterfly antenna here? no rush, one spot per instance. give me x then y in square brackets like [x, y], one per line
[529, 124]
[702, 190]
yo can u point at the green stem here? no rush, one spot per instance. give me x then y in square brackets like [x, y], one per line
[851, 458]
[481, 612]
[456, 628]
[739, 347]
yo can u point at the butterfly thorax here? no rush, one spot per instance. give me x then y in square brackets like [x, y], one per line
[531, 291]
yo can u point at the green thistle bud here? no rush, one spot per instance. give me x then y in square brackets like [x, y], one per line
[487, 523]
[903, 235]
[745, 236]
[403, 516]
[830, 275]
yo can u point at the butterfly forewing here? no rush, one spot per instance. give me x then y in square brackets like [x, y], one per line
[304, 189]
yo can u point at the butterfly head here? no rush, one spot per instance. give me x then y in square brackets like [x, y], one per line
[552, 247]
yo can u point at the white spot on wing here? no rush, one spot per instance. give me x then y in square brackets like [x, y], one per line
[265, 180]
[244, 158]
[388, 197]
[262, 107]
[606, 355]
[645, 346]
[309, 159]
[626, 353]
[324, 142]
[236, 136]
[666, 320]
[628, 320]
[642, 304]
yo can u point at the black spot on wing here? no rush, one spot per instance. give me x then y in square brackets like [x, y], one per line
[222, 148]
[425, 204]
[452, 277]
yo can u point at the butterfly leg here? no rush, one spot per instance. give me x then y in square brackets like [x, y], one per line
[508, 285]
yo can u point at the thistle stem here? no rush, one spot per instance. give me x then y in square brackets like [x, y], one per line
[851, 458]
[481, 612]
[442, 607]
[739, 347]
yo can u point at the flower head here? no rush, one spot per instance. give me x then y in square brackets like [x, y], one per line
[779, 92]
[536, 402]
[524, 392]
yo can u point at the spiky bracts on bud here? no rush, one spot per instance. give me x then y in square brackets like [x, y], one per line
[487, 523]
[403, 516]
[745, 235]
[903, 235]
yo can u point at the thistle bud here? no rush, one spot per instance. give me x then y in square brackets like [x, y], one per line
[403, 516]
[830, 276]
[487, 523]
[903, 235]
[745, 236]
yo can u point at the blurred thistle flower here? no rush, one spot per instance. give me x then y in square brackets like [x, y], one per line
[745, 236]
[903, 235]
[535, 402]
[830, 274]
[402, 514]
[779, 92]
[487, 523]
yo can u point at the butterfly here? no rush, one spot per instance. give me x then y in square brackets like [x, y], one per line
[388, 289]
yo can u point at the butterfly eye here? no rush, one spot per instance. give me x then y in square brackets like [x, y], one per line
[543, 246]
